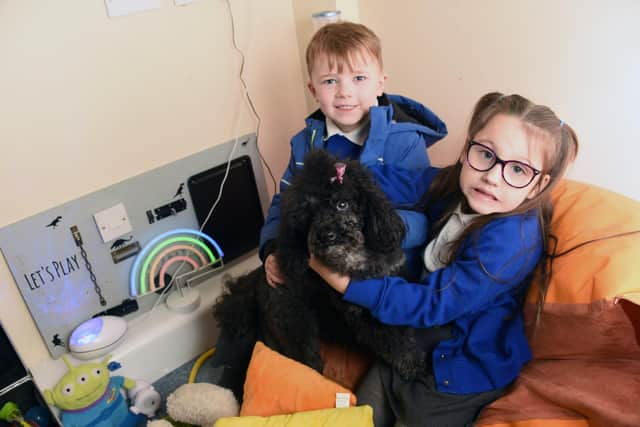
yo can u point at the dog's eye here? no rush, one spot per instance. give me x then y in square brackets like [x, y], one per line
[342, 205]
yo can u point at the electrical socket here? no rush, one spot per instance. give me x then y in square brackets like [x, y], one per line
[112, 222]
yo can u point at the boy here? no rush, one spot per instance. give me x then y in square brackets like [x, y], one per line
[356, 120]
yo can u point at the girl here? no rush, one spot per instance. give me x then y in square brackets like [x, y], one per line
[491, 213]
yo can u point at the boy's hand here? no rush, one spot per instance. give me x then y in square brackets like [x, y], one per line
[272, 271]
[335, 280]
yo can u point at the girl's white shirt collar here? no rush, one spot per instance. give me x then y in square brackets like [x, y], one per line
[436, 251]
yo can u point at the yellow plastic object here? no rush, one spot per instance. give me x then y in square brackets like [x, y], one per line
[355, 416]
[196, 366]
[11, 413]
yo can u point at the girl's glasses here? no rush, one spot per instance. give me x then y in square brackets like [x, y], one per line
[516, 174]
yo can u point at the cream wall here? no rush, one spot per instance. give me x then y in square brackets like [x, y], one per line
[302, 10]
[87, 101]
[582, 58]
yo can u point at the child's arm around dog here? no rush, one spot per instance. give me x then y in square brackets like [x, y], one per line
[495, 262]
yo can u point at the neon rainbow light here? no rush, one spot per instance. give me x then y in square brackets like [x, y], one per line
[181, 245]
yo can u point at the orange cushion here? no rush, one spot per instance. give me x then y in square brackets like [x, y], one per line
[276, 384]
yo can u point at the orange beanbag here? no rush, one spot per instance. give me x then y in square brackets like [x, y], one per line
[586, 347]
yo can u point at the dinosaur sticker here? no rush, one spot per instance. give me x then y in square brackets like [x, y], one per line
[179, 190]
[55, 222]
[119, 242]
[56, 341]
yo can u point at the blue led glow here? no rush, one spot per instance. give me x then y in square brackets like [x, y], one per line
[86, 332]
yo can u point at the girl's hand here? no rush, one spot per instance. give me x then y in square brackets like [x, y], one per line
[272, 271]
[335, 280]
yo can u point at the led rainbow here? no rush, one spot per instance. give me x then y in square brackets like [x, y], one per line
[184, 246]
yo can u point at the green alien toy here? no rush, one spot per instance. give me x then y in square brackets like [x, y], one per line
[89, 397]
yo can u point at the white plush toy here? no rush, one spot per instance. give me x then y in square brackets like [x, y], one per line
[144, 399]
[200, 404]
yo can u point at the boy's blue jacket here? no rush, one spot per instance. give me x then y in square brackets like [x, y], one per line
[479, 294]
[400, 131]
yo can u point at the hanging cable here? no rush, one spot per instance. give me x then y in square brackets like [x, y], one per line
[248, 96]
[229, 159]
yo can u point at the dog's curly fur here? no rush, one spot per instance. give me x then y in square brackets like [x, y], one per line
[350, 226]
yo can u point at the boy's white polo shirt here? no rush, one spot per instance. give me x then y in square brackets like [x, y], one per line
[357, 136]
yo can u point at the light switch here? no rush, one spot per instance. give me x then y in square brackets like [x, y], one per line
[125, 7]
[112, 222]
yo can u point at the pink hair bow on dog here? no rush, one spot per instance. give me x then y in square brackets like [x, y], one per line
[340, 169]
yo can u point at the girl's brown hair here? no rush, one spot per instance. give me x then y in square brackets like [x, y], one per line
[342, 43]
[560, 146]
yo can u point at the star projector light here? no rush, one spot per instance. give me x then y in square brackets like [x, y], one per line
[181, 257]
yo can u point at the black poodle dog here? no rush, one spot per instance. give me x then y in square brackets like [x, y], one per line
[335, 211]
